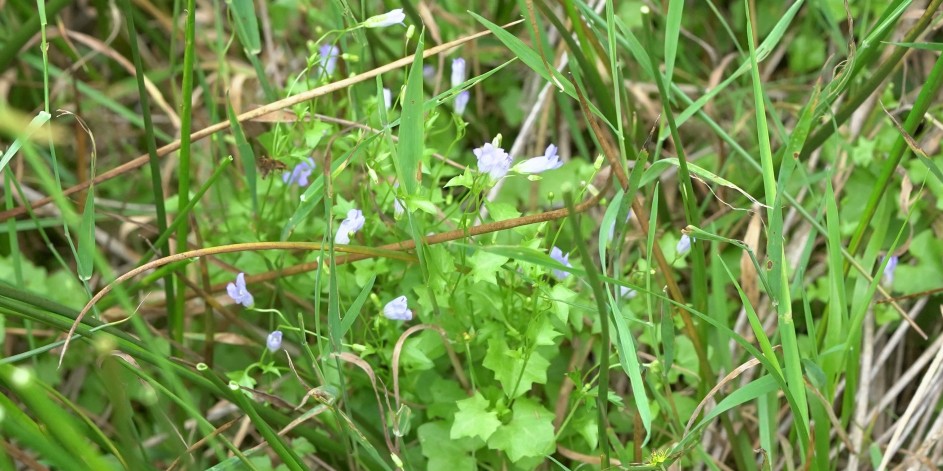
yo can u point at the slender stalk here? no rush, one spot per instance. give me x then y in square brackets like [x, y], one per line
[175, 315]
[599, 293]
[154, 161]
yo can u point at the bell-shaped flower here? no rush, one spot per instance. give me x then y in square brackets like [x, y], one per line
[557, 254]
[299, 175]
[493, 160]
[458, 72]
[461, 101]
[684, 244]
[387, 98]
[397, 310]
[889, 269]
[390, 18]
[627, 293]
[349, 226]
[274, 341]
[238, 292]
[549, 161]
[328, 55]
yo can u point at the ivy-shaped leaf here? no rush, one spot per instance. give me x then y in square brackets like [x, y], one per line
[486, 264]
[513, 370]
[444, 452]
[545, 334]
[473, 419]
[528, 435]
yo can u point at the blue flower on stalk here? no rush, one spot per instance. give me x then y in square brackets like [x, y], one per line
[889, 269]
[549, 161]
[328, 58]
[397, 310]
[461, 102]
[349, 226]
[493, 160]
[387, 98]
[627, 293]
[274, 341]
[557, 254]
[299, 175]
[684, 244]
[238, 292]
[458, 77]
[428, 72]
[390, 18]
[458, 72]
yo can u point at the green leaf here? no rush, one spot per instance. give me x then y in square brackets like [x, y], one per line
[466, 180]
[562, 297]
[247, 25]
[672, 32]
[355, 309]
[925, 46]
[928, 271]
[502, 211]
[807, 52]
[34, 126]
[444, 452]
[421, 204]
[545, 334]
[86, 248]
[473, 419]
[486, 265]
[661, 165]
[409, 153]
[513, 370]
[529, 435]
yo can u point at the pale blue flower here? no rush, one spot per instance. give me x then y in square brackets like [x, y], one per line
[238, 292]
[549, 161]
[889, 269]
[493, 160]
[557, 254]
[461, 101]
[328, 58]
[274, 341]
[428, 72]
[387, 98]
[396, 310]
[684, 244]
[390, 18]
[349, 226]
[458, 72]
[299, 175]
[627, 293]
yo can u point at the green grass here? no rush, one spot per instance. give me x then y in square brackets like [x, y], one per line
[795, 144]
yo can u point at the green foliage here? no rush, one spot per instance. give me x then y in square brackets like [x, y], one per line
[746, 126]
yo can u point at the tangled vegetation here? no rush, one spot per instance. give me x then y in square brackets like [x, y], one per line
[573, 234]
